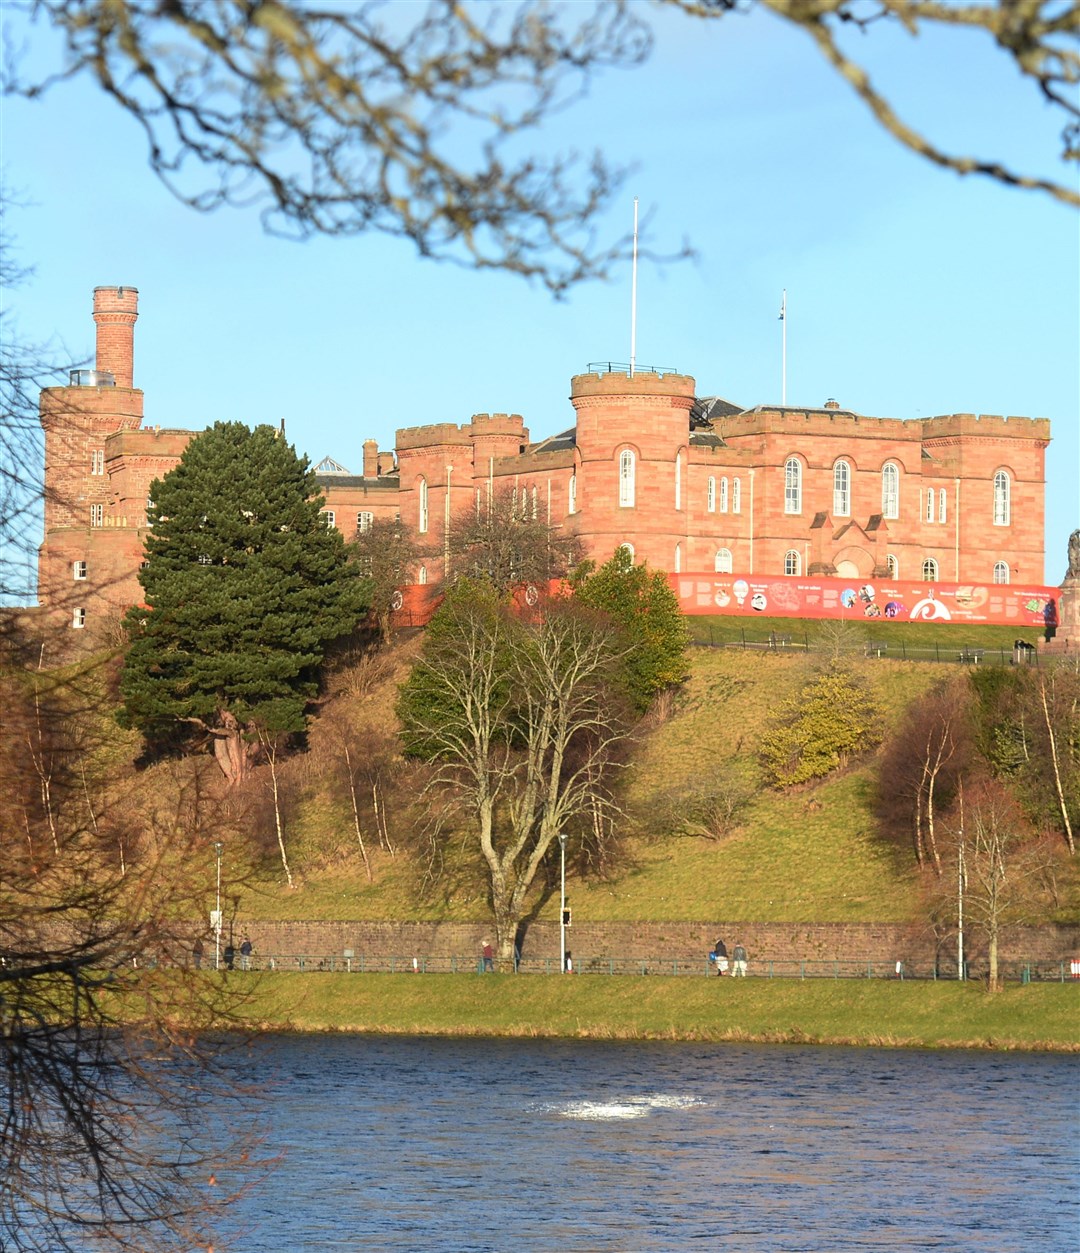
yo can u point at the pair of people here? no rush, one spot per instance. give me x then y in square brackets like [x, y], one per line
[719, 957]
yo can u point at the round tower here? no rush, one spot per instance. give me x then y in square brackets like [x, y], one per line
[116, 310]
[633, 435]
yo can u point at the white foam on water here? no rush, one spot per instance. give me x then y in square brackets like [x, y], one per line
[629, 1107]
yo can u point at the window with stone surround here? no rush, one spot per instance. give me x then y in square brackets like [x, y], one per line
[328, 516]
[1002, 501]
[929, 570]
[78, 571]
[364, 519]
[421, 575]
[722, 561]
[841, 494]
[78, 618]
[1001, 572]
[97, 461]
[624, 547]
[678, 558]
[571, 495]
[97, 515]
[892, 567]
[943, 505]
[678, 480]
[890, 490]
[736, 495]
[422, 518]
[626, 479]
[792, 562]
[928, 513]
[724, 494]
[793, 485]
[710, 494]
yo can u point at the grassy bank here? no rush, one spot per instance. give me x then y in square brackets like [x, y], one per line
[866, 1012]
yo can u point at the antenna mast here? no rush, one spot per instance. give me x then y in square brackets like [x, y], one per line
[633, 300]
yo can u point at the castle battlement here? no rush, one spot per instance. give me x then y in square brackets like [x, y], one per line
[972, 425]
[439, 435]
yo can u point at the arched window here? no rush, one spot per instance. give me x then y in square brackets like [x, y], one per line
[710, 494]
[892, 567]
[571, 501]
[722, 563]
[626, 479]
[421, 575]
[535, 504]
[929, 511]
[1001, 572]
[943, 503]
[792, 562]
[736, 495]
[422, 518]
[678, 558]
[841, 489]
[723, 495]
[929, 570]
[1002, 511]
[328, 516]
[793, 485]
[626, 548]
[890, 490]
[678, 480]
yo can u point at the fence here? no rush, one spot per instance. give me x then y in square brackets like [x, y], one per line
[1020, 654]
[1012, 971]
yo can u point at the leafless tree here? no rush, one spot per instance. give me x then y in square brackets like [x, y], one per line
[522, 724]
[386, 554]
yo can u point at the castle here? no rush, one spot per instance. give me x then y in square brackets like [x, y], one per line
[687, 484]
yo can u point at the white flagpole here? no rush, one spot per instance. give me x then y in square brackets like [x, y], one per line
[633, 300]
[783, 356]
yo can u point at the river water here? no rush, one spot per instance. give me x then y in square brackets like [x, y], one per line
[427, 1144]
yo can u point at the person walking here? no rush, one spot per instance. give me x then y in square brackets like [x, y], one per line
[738, 956]
[720, 957]
[488, 958]
[245, 954]
[197, 952]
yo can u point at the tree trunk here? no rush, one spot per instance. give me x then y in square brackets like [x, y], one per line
[355, 810]
[231, 751]
[1054, 762]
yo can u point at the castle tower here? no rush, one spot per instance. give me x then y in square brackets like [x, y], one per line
[633, 435]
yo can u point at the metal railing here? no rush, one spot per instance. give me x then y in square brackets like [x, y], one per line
[964, 654]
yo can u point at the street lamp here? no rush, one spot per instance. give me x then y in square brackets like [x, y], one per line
[215, 917]
[562, 904]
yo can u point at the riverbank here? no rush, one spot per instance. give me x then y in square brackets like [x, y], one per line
[878, 1013]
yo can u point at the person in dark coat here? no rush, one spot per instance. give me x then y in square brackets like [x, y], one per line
[719, 956]
[229, 955]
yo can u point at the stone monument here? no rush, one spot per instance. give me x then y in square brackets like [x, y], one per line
[1067, 636]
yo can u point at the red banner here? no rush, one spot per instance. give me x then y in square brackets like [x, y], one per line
[775, 596]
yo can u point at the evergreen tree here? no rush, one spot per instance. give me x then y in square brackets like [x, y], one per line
[245, 587]
[646, 612]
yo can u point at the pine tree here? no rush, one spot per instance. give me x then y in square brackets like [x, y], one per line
[245, 587]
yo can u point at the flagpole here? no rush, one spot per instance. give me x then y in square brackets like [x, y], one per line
[783, 355]
[633, 300]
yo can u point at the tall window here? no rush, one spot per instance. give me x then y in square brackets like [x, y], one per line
[736, 495]
[571, 495]
[626, 479]
[78, 618]
[78, 570]
[792, 562]
[1001, 572]
[722, 563]
[328, 516]
[678, 558]
[421, 575]
[535, 504]
[890, 490]
[943, 504]
[1002, 511]
[364, 521]
[422, 517]
[626, 548]
[892, 567]
[97, 461]
[793, 485]
[724, 495]
[97, 515]
[678, 480]
[929, 570]
[841, 489]
[710, 494]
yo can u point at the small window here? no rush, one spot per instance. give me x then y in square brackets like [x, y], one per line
[841, 495]
[628, 549]
[943, 500]
[724, 494]
[78, 571]
[736, 495]
[710, 494]
[678, 558]
[364, 520]
[97, 515]
[97, 461]
[722, 561]
[78, 619]
[1002, 503]
[421, 575]
[929, 570]
[204, 559]
[1001, 572]
[678, 480]
[328, 517]
[422, 516]
[792, 562]
[929, 512]
[890, 490]
[892, 567]
[626, 479]
[793, 485]
[571, 495]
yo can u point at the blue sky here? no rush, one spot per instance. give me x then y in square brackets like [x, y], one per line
[910, 291]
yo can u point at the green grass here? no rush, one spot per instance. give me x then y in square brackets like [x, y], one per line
[728, 629]
[873, 1012]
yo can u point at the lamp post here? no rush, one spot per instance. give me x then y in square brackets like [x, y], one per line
[215, 920]
[562, 904]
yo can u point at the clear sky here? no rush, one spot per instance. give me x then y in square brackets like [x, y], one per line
[910, 291]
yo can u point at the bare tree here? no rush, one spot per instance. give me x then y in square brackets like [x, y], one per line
[521, 722]
[386, 554]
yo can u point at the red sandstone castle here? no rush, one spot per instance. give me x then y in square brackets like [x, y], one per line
[686, 483]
